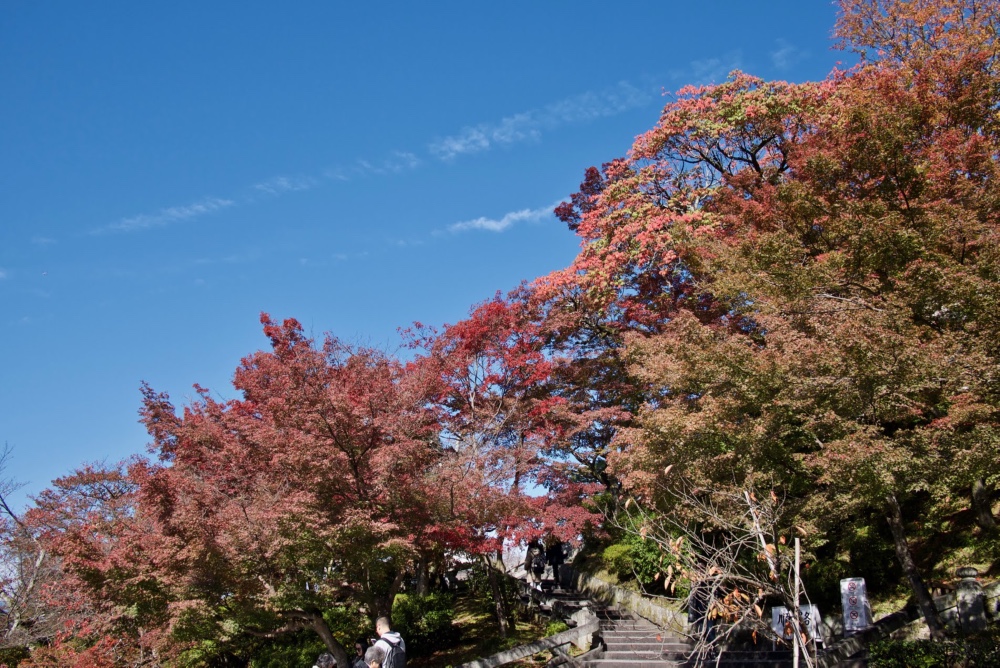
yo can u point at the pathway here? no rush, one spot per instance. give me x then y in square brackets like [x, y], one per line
[628, 641]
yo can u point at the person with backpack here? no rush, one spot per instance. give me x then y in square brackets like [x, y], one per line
[389, 651]
[534, 564]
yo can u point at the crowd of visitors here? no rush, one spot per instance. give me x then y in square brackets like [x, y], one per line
[388, 651]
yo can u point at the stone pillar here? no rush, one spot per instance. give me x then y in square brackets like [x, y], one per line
[582, 617]
[969, 598]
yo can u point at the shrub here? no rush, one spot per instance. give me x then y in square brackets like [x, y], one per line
[972, 651]
[635, 558]
[299, 649]
[425, 622]
[11, 656]
[555, 627]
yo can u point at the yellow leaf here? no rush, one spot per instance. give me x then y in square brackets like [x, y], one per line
[666, 471]
[781, 540]
[756, 608]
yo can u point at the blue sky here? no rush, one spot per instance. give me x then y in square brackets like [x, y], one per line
[170, 172]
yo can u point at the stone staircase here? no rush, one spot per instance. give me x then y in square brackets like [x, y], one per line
[631, 642]
[625, 640]
[628, 641]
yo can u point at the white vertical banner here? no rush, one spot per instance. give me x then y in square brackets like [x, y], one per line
[857, 609]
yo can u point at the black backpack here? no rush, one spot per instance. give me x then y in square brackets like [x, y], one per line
[395, 656]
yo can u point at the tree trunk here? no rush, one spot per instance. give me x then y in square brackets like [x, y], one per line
[498, 598]
[316, 622]
[982, 506]
[905, 557]
[381, 603]
[508, 607]
[423, 577]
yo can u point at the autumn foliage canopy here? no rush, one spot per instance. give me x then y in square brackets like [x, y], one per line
[790, 285]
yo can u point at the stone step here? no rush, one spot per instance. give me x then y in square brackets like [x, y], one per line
[618, 636]
[675, 652]
[617, 641]
[650, 648]
[643, 662]
[627, 625]
[752, 660]
[632, 663]
[762, 663]
[638, 630]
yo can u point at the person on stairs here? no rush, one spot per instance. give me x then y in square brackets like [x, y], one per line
[556, 557]
[534, 564]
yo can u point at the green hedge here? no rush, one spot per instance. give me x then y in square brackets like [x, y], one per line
[973, 652]
[425, 622]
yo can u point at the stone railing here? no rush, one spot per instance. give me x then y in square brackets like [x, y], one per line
[606, 593]
[580, 636]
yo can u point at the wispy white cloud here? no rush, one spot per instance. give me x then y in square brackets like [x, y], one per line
[713, 70]
[173, 214]
[528, 125]
[283, 184]
[3, 273]
[525, 126]
[337, 174]
[42, 241]
[505, 222]
[787, 55]
[398, 161]
[395, 163]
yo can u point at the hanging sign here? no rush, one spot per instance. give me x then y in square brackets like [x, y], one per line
[781, 621]
[854, 600]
